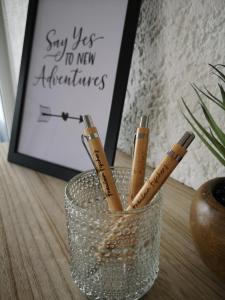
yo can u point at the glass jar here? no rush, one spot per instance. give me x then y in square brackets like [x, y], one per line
[113, 255]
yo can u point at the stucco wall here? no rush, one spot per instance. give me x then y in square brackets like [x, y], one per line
[15, 13]
[176, 40]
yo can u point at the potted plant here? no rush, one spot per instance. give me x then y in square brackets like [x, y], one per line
[207, 215]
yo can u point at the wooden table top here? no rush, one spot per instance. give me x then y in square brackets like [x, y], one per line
[34, 256]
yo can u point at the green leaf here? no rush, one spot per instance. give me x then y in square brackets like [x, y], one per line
[221, 75]
[197, 93]
[218, 145]
[221, 65]
[213, 124]
[214, 152]
[215, 100]
[214, 139]
[210, 119]
[210, 96]
[222, 93]
[211, 132]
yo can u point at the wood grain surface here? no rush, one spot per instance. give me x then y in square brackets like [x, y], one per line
[34, 256]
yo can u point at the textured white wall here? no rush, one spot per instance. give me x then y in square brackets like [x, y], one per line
[15, 13]
[176, 40]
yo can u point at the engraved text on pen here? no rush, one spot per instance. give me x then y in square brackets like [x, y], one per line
[153, 183]
[100, 170]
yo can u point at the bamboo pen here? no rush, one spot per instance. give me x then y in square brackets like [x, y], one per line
[150, 188]
[162, 172]
[101, 165]
[139, 158]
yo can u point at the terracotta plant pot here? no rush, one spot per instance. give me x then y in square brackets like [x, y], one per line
[207, 219]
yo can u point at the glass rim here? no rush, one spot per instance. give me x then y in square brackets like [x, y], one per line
[68, 196]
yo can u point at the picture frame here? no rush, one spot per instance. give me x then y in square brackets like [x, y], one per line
[76, 60]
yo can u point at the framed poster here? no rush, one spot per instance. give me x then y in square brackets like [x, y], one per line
[76, 60]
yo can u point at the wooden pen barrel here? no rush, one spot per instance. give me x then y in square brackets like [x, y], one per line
[103, 170]
[139, 162]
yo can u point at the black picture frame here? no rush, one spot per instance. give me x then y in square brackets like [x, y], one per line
[118, 96]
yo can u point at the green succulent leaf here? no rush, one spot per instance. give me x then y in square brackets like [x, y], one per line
[219, 133]
[222, 93]
[220, 147]
[221, 65]
[214, 137]
[214, 152]
[217, 143]
[210, 119]
[220, 74]
[211, 132]
[214, 99]
[197, 92]
[209, 95]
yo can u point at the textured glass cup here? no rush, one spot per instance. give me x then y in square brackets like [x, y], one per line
[113, 255]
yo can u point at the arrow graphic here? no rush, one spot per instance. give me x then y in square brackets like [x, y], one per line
[45, 115]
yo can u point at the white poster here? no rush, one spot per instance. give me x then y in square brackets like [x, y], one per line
[74, 54]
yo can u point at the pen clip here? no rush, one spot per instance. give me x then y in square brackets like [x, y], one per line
[83, 137]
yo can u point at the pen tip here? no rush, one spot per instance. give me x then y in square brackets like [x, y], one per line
[88, 121]
[186, 139]
[144, 121]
